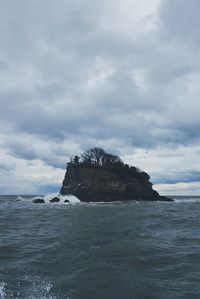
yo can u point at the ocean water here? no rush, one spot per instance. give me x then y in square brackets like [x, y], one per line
[133, 250]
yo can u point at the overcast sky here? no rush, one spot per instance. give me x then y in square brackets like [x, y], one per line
[121, 75]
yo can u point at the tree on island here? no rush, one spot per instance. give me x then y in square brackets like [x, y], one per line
[93, 156]
[109, 160]
[97, 157]
[76, 160]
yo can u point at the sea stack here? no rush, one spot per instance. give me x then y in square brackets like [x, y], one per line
[97, 176]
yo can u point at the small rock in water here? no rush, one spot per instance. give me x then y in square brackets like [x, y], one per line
[55, 199]
[66, 200]
[38, 200]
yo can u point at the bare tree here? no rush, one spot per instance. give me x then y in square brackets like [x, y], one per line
[94, 156]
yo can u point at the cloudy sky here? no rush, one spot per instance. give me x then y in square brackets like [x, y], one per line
[122, 75]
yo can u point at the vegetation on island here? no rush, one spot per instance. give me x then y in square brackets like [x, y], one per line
[99, 158]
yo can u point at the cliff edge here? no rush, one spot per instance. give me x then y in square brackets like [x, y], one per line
[100, 177]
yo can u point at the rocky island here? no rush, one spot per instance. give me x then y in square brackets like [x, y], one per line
[97, 176]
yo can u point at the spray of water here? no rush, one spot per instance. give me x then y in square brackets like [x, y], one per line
[2, 290]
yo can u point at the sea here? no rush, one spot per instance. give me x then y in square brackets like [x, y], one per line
[121, 250]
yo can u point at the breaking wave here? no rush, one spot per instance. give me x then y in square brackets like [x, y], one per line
[63, 199]
[36, 290]
[186, 199]
[2, 290]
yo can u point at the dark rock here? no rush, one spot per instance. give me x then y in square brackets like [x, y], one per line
[164, 198]
[94, 183]
[66, 200]
[38, 200]
[55, 199]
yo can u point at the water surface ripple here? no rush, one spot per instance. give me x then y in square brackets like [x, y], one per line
[135, 250]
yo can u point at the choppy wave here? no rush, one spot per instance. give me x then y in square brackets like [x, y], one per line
[74, 200]
[64, 199]
[37, 290]
[99, 250]
[70, 198]
[187, 199]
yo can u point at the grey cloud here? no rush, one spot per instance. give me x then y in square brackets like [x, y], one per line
[30, 147]
[176, 177]
[67, 74]
[180, 21]
[5, 168]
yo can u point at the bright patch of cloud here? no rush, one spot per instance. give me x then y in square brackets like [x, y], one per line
[20, 176]
[179, 189]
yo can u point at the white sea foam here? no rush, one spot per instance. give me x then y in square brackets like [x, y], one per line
[71, 198]
[26, 199]
[41, 290]
[63, 199]
[38, 290]
[2, 290]
[49, 196]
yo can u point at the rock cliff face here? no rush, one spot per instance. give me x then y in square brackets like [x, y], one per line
[94, 183]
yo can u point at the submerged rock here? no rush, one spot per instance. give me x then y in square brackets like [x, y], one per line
[106, 178]
[38, 200]
[55, 199]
